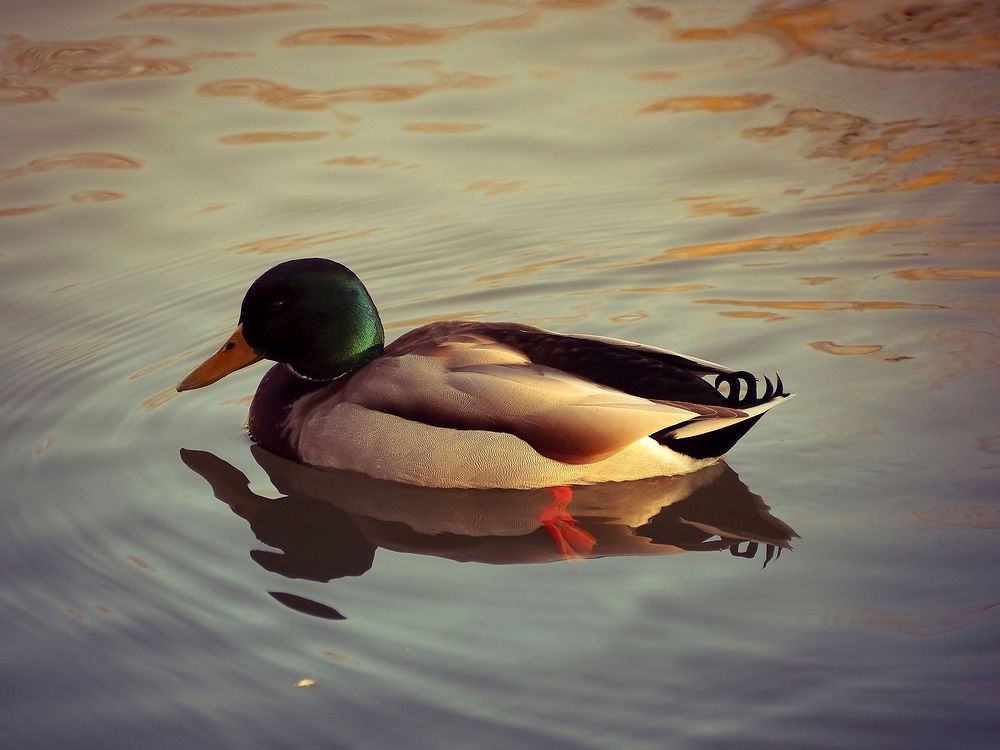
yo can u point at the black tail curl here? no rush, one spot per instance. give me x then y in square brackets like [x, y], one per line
[743, 394]
[739, 398]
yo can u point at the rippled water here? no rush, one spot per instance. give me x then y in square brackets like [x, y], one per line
[802, 187]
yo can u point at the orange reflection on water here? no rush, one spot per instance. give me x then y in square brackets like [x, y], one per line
[424, 62]
[161, 364]
[928, 180]
[158, 399]
[654, 76]
[786, 243]
[32, 71]
[212, 207]
[364, 161]
[25, 210]
[401, 35]
[44, 444]
[212, 10]
[96, 196]
[677, 288]
[89, 160]
[573, 4]
[767, 317]
[268, 92]
[651, 13]
[629, 317]
[894, 34]
[273, 136]
[707, 103]
[445, 127]
[288, 97]
[529, 269]
[948, 274]
[294, 243]
[971, 147]
[140, 562]
[854, 130]
[845, 349]
[730, 208]
[910, 153]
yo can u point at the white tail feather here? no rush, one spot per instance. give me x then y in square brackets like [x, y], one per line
[711, 424]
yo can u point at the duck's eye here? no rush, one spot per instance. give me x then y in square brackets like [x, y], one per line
[276, 304]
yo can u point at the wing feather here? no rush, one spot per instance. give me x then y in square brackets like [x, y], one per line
[559, 415]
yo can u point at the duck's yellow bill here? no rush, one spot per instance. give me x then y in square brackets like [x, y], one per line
[234, 355]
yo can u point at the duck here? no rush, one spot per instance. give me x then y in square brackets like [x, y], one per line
[471, 404]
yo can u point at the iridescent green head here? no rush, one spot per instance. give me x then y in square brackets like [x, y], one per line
[314, 315]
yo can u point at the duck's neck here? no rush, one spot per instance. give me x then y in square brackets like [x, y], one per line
[273, 422]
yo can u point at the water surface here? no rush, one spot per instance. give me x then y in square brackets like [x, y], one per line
[802, 187]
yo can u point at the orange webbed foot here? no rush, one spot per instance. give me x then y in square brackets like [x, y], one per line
[571, 541]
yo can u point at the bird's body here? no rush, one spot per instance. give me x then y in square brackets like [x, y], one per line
[471, 404]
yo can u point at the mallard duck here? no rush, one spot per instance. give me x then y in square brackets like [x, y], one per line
[470, 404]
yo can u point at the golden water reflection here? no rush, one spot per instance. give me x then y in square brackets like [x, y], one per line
[767, 317]
[212, 10]
[956, 35]
[444, 128]
[284, 96]
[734, 208]
[14, 211]
[707, 103]
[367, 161]
[287, 136]
[33, 71]
[900, 155]
[96, 196]
[298, 243]
[947, 274]
[788, 243]
[845, 349]
[401, 35]
[88, 160]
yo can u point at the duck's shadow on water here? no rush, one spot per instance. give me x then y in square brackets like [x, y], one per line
[328, 525]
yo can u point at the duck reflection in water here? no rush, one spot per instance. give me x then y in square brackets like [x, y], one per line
[328, 525]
